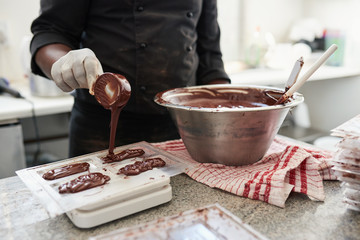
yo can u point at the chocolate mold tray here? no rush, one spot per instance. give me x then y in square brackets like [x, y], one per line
[119, 188]
[210, 222]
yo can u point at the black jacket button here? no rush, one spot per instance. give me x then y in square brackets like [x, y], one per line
[140, 8]
[143, 45]
[143, 88]
[189, 14]
[189, 49]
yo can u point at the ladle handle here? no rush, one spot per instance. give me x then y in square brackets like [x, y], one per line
[309, 72]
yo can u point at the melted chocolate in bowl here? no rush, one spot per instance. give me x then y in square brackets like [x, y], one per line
[220, 97]
[112, 91]
[227, 124]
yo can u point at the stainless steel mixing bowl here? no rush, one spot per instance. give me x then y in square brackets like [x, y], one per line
[230, 136]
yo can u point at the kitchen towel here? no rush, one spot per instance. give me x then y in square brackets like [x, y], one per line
[287, 166]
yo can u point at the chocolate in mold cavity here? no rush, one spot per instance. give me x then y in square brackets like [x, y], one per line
[112, 91]
[84, 182]
[67, 170]
[126, 154]
[141, 166]
[220, 97]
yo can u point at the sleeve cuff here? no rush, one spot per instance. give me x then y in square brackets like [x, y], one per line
[42, 39]
[213, 75]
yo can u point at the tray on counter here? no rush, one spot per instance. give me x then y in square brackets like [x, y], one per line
[118, 188]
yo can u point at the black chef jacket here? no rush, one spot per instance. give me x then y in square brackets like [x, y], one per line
[155, 44]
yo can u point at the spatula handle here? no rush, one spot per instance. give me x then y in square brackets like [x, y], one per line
[308, 73]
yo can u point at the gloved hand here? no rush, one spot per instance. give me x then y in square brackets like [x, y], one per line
[77, 69]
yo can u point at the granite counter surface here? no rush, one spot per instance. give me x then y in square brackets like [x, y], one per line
[22, 216]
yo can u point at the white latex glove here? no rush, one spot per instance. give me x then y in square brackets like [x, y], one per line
[77, 69]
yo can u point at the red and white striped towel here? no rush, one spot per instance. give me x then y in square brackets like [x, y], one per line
[285, 167]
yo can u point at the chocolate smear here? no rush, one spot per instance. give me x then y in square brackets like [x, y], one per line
[126, 154]
[141, 166]
[84, 182]
[66, 171]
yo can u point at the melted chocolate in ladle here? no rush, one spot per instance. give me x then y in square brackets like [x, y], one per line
[112, 91]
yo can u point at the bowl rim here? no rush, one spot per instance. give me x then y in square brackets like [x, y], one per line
[297, 99]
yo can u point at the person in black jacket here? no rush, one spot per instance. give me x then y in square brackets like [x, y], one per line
[157, 45]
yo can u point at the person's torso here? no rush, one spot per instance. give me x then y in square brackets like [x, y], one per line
[152, 43]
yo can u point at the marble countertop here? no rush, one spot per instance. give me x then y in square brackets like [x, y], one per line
[22, 216]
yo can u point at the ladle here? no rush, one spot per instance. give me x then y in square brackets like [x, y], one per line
[307, 75]
[112, 91]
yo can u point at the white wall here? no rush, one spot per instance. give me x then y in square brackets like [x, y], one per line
[332, 102]
[17, 15]
[275, 16]
[230, 18]
[238, 19]
[342, 15]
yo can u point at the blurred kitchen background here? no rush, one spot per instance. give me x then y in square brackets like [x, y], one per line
[261, 40]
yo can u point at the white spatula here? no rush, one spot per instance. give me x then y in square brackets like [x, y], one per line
[307, 75]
